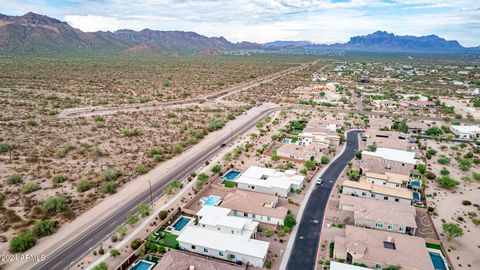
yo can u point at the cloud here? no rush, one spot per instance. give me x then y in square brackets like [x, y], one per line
[265, 20]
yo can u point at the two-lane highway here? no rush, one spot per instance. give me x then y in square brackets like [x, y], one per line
[75, 249]
[304, 252]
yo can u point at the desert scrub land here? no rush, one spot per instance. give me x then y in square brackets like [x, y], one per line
[47, 85]
[280, 90]
[53, 169]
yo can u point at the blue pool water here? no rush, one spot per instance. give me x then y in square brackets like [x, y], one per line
[212, 200]
[231, 175]
[437, 261]
[142, 265]
[181, 223]
[286, 141]
[416, 196]
[415, 183]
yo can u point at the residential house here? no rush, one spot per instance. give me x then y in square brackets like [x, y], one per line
[302, 152]
[419, 104]
[416, 127]
[256, 206]
[387, 179]
[466, 132]
[380, 215]
[380, 123]
[390, 139]
[269, 181]
[379, 249]
[319, 132]
[388, 160]
[384, 104]
[217, 234]
[368, 190]
[177, 259]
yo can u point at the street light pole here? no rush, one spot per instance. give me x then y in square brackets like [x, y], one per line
[151, 199]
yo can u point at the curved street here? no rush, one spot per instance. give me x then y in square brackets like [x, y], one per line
[304, 252]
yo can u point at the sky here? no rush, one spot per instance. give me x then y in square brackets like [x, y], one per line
[319, 21]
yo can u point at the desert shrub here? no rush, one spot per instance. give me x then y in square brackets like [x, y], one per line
[22, 242]
[44, 227]
[476, 176]
[5, 147]
[447, 182]
[58, 178]
[142, 169]
[114, 238]
[127, 132]
[452, 230]
[84, 185]
[54, 204]
[2, 196]
[29, 187]
[121, 230]
[443, 160]
[216, 124]
[156, 151]
[430, 175]
[432, 151]
[444, 171]
[14, 179]
[466, 203]
[108, 187]
[110, 174]
[216, 169]
[132, 219]
[310, 164]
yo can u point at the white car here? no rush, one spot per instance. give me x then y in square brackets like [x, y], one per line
[319, 181]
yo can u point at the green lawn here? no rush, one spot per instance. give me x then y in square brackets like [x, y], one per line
[169, 240]
[434, 246]
[229, 184]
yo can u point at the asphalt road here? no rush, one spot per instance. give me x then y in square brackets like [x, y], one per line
[305, 247]
[74, 250]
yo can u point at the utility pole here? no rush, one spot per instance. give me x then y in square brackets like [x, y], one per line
[151, 199]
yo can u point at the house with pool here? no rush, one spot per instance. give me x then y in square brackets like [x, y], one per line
[378, 249]
[269, 181]
[216, 233]
[389, 160]
[380, 215]
[256, 206]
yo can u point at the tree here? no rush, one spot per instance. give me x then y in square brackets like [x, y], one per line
[162, 215]
[101, 266]
[452, 230]
[202, 177]
[372, 147]
[144, 209]
[216, 169]
[22, 242]
[275, 156]
[132, 219]
[44, 227]
[289, 221]
[421, 168]
[310, 164]
[354, 174]
[114, 252]
[325, 160]
[54, 204]
[447, 182]
[434, 131]
[121, 230]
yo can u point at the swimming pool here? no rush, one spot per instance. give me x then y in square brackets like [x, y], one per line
[232, 174]
[437, 261]
[181, 223]
[286, 140]
[416, 196]
[143, 265]
[212, 200]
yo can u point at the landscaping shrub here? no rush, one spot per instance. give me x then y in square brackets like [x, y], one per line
[421, 168]
[444, 171]
[144, 210]
[163, 214]
[330, 249]
[466, 203]
[22, 242]
[100, 266]
[135, 243]
[447, 182]
[325, 160]
[430, 175]
[114, 252]
[289, 221]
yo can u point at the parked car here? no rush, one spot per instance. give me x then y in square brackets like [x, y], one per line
[319, 181]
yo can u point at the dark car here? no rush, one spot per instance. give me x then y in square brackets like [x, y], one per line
[222, 145]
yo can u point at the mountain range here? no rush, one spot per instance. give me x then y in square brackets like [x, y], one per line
[39, 34]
